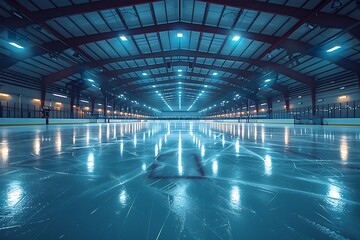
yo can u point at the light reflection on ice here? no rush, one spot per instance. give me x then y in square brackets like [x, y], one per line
[156, 150]
[14, 194]
[334, 198]
[74, 136]
[87, 136]
[235, 197]
[202, 150]
[215, 167]
[90, 163]
[179, 201]
[180, 167]
[121, 148]
[286, 136]
[58, 141]
[124, 197]
[237, 146]
[255, 132]
[100, 133]
[343, 148]
[37, 144]
[107, 132]
[268, 165]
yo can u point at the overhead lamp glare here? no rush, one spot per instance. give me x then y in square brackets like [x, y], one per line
[333, 49]
[123, 38]
[236, 38]
[179, 35]
[16, 45]
[59, 95]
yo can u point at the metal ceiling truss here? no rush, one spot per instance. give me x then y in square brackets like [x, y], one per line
[326, 20]
[293, 46]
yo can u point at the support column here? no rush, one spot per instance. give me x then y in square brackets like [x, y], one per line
[248, 110]
[257, 108]
[72, 103]
[92, 105]
[270, 107]
[105, 108]
[114, 108]
[42, 94]
[313, 99]
[287, 102]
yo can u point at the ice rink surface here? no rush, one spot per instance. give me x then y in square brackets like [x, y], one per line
[179, 180]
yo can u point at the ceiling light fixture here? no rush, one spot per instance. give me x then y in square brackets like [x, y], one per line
[123, 38]
[333, 49]
[16, 45]
[236, 38]
[59, 95]
[179, 35]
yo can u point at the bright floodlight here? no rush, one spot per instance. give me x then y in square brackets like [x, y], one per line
[16, 45]
[90, 80]
[215, 73]
[144, 74]
[179, 70]
[153, 86]
[267, 80]
[123, 38]
[179, 75]
[179, 35]
[236, 38]
[333, 49]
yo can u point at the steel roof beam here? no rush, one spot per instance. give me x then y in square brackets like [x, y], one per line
[188, 53]
[322, 19]
[231, 87]
[66, 42]
[292, 46]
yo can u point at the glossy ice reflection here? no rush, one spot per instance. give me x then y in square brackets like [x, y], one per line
[235, 197]
[268, 165]
[179, 180]
[4, 151]
[343, 148]
[14, 194]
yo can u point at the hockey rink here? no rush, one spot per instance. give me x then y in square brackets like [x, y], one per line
[179, 180]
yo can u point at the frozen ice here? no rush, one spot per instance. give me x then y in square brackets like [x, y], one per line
[179, 180]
